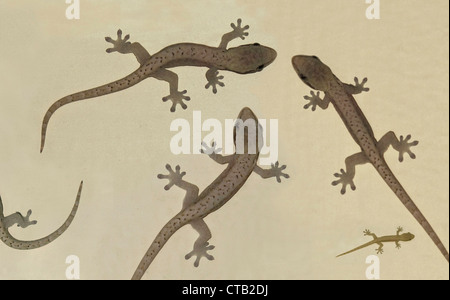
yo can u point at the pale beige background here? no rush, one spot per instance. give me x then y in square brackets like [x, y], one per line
[118, 143]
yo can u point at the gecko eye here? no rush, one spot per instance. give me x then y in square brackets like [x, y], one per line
[256, 44]
[260, 67]
[315, 57]
[303, 77]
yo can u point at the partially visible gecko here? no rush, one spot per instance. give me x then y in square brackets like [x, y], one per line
[244, 59]
[319, 76]
[9, 240]
[404, 237]
[223, 188]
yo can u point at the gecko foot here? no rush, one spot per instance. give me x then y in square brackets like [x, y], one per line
[404, 147]
[238, 30]
[177, 98]
[359, 87]
[397, 245]
[367, 232]
[210, 150]
[379, 250]
[314, 100]
[399, 229]
[212, 75]
[277, 171]
[344, 179]
[174, 177]
[26, 221]
[200, 252]
[120, 45]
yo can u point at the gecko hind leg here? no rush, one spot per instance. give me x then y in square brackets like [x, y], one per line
[402, 145]
[124, 46]
[201, 245]
[176, 96]
[176, 178]
[19, 219]
[346, 177]
[380, 248]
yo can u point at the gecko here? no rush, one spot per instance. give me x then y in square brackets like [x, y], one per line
[23, 222]
[240, 166]
[314, 73]
[404, 237]
[244, 59]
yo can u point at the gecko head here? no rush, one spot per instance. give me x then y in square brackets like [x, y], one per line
[407, 236]
[313, 72]
[247, 133]
[250, 58]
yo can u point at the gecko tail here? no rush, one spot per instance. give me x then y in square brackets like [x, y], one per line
[355, 249]
[12, 242]
[105, 89]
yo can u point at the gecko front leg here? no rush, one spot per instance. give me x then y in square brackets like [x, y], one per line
[201, 245]
[212, 152]
[357, 88]
[275, 171]
[315, 100]
[212, 75]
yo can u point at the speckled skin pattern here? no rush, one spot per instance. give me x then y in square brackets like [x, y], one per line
[319, 76]
[9, 240]
[244, 59]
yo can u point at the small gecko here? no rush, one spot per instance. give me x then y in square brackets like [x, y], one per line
[244, 59]
[319, 77]
[404, 237]
[6, 222]
[196, 207]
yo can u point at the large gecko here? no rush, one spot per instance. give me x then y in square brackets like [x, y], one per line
[21, 221]
[244, 59]
[196, 207]
[404, 237]
[319, 76]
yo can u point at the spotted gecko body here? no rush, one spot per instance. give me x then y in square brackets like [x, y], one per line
[223, 188]
[244, 59]
[319, 76]
[9, 240]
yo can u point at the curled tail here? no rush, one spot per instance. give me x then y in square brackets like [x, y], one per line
[398, 189]
[109, 88]
[161, 239]
[9, 240]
